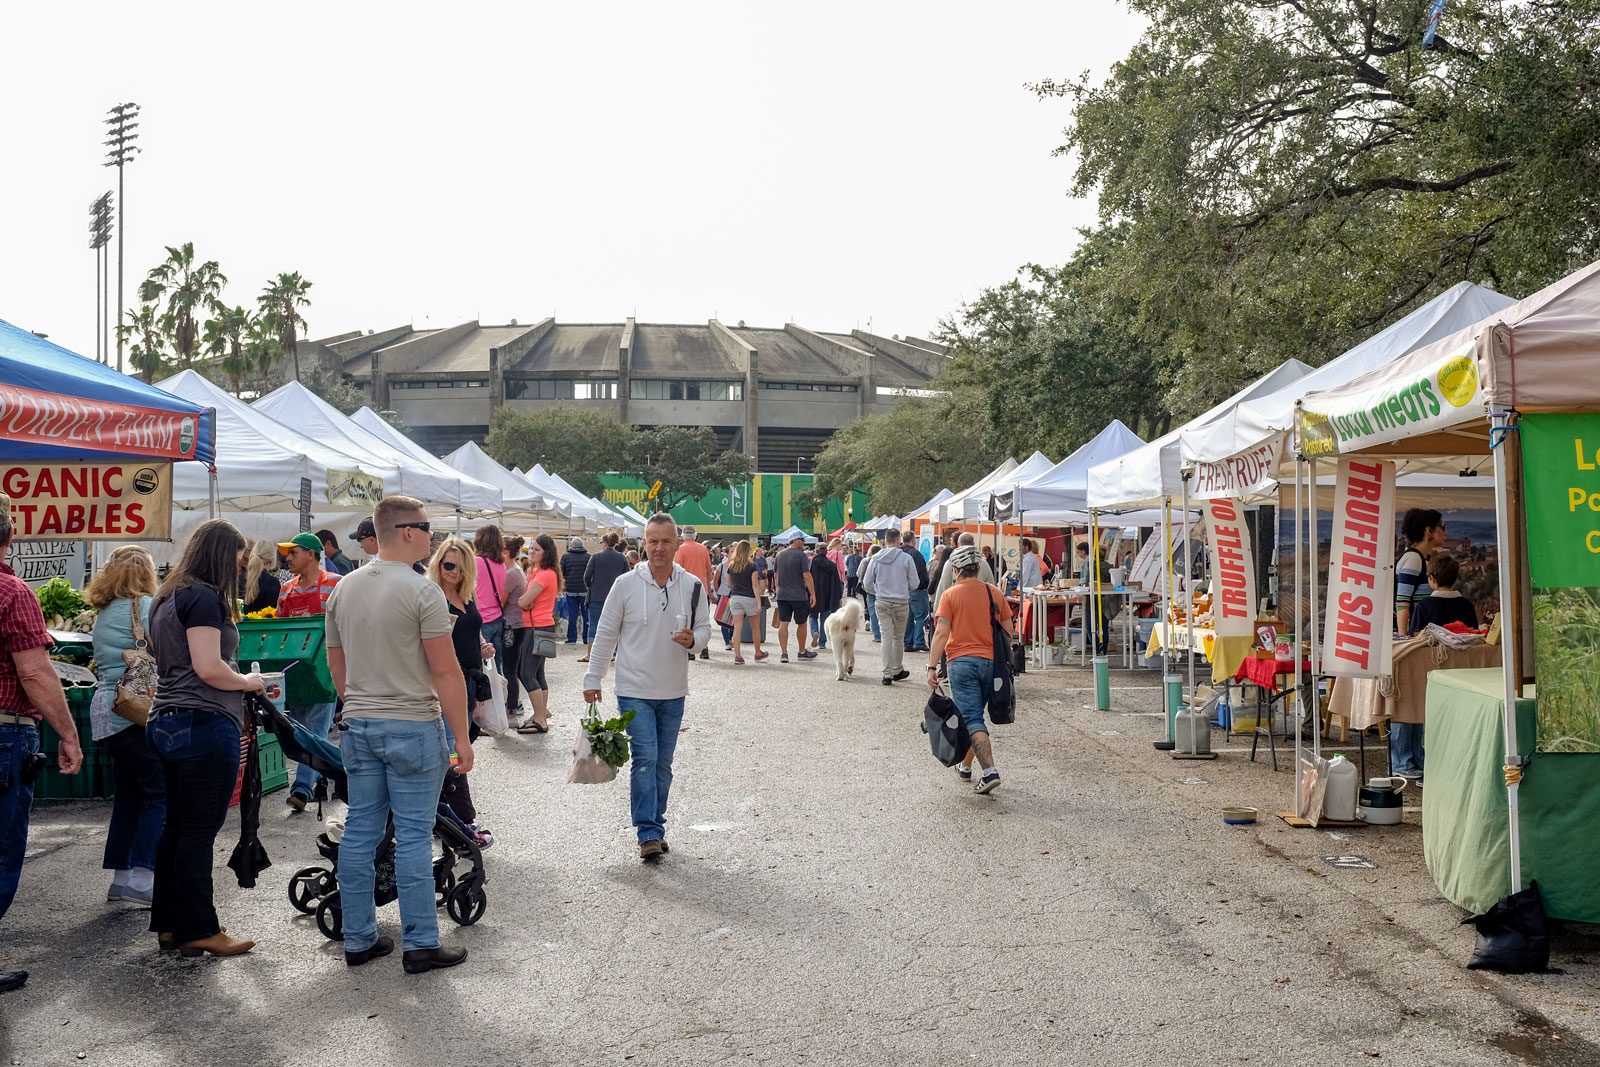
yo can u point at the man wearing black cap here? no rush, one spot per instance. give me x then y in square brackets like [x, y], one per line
[366, 535]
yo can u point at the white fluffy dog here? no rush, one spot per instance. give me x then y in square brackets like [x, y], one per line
[843, 625]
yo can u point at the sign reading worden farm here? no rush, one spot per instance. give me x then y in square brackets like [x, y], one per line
[1233, 601]
[90, 501]
[35, 417]
[1358, 639]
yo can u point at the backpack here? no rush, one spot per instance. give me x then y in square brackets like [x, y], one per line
[1003, 697]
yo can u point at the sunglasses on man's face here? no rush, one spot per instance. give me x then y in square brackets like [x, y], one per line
[425, 527]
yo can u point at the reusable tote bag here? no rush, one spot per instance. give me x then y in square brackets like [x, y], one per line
[1002, 698]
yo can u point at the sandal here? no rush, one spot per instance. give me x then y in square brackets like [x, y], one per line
[582, 659]
[531, 727]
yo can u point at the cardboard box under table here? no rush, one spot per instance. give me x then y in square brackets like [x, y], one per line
[1465, 826]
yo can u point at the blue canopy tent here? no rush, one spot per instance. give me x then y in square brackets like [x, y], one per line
[58, 406]
[790, 534]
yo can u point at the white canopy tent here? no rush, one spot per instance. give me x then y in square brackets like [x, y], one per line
[925, 512]
[636, 517]
[519, 495]
[791, 533]
[295, 405]
[474, 495]
[1146, 476]
[1246, 451]
[260, 460]
[1058, 496]
[954, 507]
[977, 506]
[553, 487]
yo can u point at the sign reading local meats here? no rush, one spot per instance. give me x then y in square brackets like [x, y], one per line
[1428, 398]
[1358, 639]
[1233, 569]
[90, 501]
[1561, 477]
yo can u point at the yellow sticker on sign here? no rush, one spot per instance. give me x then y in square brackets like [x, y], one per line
[1458, 380]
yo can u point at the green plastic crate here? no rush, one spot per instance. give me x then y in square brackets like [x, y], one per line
[276, 643]
[274, 766]
[93, 780]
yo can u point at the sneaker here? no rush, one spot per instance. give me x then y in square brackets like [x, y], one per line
[888, 681]
[783, 657]
[964, 773]
[738, 659]
[484, 838]
[902, 676]
[808, 654]
[762, 655]
[990, 782]
[127, 894]
[704, 654]
[297, 801]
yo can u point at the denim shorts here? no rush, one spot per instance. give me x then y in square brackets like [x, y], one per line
[971, 684]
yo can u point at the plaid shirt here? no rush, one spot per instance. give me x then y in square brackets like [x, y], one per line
[21, 629]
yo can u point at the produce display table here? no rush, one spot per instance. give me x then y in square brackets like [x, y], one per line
[1465, 832]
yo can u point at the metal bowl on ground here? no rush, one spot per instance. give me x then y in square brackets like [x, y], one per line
[1239, 816]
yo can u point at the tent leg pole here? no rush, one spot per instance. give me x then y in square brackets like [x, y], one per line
[214, 501]
[1510, 637]
[1299, 615]
[1188, 583]
[1316, 658]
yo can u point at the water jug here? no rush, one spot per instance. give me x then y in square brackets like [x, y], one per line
[1340, 802]
[1194, 732]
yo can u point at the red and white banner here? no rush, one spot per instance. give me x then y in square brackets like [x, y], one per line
[90, 501]
[36, 417]
[1233, 569]
[1240, 474]
[1358, 639]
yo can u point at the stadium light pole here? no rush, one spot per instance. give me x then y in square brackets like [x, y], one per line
[120, 151]
[99, 237]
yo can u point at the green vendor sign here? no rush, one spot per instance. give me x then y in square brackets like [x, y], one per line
[762, 505]
[1561, 477]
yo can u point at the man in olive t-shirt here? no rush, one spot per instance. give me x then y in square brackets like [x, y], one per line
[392, 660]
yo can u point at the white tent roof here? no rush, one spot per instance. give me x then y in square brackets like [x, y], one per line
[1141, 478]
[553, 486]
[473, 494]
[1059, 494]
[297, 406]
[976, 505]
[924, 511]
[517, 493]
[791, 533]
[634, 515]
[881, 522]
[260, 460]
[1254, 434]
[953, 508]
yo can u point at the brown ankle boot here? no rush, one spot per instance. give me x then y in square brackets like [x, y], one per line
[219, 944]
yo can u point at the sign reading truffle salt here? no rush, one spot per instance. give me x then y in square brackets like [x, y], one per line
[1561, 476]
[1233, 569]
[89, 501]
[1358, 639]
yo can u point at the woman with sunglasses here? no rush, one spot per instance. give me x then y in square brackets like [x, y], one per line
[538, 601]
[454, 570]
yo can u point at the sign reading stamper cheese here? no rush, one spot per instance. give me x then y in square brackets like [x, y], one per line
[1358, 638]
[1233, 604]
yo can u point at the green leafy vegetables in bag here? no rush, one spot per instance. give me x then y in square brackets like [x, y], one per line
[607, 738]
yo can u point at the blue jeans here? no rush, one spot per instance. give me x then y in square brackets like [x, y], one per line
[818, 621]
[872, 615]
[394, 766]
[591, 615]
[199, 751]
[916, 636]
[654, 736]
[971, 681]
[491, 633]
[1405, 747]
[17, 743]
[317, 718]
[577, 617]
[139, 805]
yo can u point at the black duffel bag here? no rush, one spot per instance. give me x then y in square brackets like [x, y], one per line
[947, 734]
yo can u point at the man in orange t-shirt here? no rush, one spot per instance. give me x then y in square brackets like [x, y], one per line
[696, 559]
[965, 635]
[304, 553]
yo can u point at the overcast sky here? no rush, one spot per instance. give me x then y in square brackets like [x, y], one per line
[828, 164]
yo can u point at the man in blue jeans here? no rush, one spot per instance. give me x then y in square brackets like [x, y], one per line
[29, 692]
[304, 555]
[393, 662]
[652, 616]
[965, 635]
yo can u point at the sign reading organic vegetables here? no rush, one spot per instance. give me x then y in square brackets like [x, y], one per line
[1358, 641]
[1561, 477]
[1233, 569]
[90, 501]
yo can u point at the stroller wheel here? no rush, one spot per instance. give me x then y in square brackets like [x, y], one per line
[308, 885]
[330, 917]
[466, 904]
[444, 883]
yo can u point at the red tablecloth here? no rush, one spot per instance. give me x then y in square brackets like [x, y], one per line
[1266, 672]
[1055, 616]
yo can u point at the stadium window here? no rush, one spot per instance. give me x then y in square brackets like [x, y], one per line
[636, 389]
[716, 390]
[674, 390]
[691, 390]
[735, 390]
[804, 386]
[547, 389]
[564, 389]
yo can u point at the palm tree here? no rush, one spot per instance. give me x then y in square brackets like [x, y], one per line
[280, 304]
[191, 291]
[262, 349]
[145, 329]
[226, 337]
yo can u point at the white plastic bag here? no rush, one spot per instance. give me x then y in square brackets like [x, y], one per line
[587, 768]
[490, 715]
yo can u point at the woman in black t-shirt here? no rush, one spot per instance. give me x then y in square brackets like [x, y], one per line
[196, 721]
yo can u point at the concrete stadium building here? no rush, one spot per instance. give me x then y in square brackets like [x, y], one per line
[774, 394]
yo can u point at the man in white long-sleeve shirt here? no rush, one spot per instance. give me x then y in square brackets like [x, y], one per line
[652, 615]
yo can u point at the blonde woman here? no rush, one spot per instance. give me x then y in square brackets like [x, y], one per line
[454, 569]
[259, 587]
[746, 585]
[123, 587]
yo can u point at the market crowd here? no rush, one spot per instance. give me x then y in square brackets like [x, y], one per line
[427, 638]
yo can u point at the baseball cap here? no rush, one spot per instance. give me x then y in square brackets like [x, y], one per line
[364, 529]
[307, 541]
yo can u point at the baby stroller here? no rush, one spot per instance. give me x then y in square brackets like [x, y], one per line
[314, 890]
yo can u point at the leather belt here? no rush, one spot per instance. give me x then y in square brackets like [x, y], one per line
[8, 718]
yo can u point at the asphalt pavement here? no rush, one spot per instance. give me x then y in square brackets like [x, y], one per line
[833, 896]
